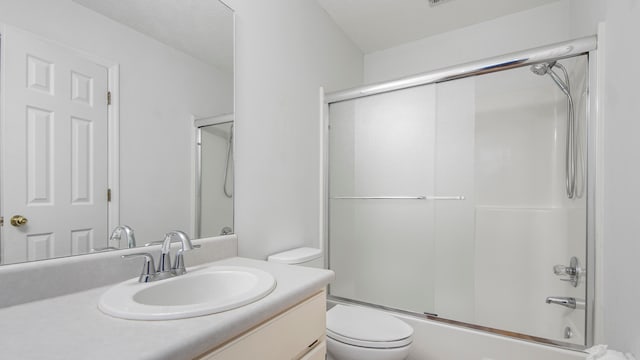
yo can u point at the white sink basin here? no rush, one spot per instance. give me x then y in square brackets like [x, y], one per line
[202, 291]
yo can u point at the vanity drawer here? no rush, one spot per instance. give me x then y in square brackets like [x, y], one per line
[318, 353]
[293, 334]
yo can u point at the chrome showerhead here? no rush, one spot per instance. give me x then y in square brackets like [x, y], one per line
[546, 68]
[542, 68]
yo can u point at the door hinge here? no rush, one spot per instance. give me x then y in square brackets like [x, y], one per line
[108, 195]
[1, 220]
[108, 97]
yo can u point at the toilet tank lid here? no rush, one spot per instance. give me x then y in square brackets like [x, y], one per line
[296, 256]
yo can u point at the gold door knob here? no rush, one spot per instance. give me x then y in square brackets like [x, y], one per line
[18, 220]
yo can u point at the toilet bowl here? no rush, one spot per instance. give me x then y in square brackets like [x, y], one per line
[354, 332]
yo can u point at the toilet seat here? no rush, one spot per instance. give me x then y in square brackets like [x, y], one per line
[367, 328]
[369, 344]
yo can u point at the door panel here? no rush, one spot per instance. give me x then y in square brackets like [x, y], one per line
[54, 134]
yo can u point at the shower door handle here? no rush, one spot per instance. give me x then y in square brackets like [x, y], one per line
[459, 197]
[378, 197]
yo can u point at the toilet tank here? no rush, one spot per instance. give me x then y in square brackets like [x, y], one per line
[303, 256]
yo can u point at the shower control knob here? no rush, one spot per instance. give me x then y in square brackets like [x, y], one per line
[564, 270]
[573, 271]
[559, 269]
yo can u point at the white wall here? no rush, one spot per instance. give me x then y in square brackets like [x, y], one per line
[620, 111]
[622, 176]
[584, 16]
[536, 27]
[159, 89]
[285, 50]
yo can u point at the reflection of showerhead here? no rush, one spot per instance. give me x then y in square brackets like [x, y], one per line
[228, 162]
[230, 134]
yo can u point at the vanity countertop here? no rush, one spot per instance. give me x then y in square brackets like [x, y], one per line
[71, 326]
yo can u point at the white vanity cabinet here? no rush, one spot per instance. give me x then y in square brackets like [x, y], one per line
[287, 324]
[297, 333]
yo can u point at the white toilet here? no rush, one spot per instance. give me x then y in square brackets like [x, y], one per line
[353, 332]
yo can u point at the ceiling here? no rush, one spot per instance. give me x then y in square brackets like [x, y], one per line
[204, 28]
[380, 24]
[200, 28]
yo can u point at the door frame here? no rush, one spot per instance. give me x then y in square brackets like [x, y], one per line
[113, 125]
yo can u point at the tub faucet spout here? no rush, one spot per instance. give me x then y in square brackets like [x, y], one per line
[568, 302]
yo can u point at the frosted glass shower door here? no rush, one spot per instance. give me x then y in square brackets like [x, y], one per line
[450, 199]
[381, 228]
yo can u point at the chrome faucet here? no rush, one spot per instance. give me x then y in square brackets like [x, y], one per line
[568, 302]
[165, 270]
[178, 266]
[117, 233]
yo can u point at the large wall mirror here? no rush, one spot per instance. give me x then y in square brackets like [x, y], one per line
[99, 101]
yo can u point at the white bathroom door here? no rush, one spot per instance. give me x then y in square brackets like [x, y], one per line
[54, 149]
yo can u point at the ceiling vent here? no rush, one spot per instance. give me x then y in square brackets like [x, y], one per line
[437, 2]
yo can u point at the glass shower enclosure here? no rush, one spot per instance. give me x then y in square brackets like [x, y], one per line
[451, 200]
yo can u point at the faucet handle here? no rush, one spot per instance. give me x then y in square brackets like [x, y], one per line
[178, 265]
[158, 242]
[148, 268]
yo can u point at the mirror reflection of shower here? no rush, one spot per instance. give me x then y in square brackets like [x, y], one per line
[214, 175]
[228, 163]
[574, 157]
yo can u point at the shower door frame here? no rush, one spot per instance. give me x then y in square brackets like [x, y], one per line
[199, 123]
[581, 46]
